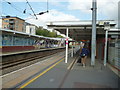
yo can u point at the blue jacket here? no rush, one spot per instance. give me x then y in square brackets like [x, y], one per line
[84, 52]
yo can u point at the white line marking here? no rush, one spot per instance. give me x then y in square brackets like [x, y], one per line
[70, 64]
[40, 62]
[75, 63]
[24, 68]
[21, 69]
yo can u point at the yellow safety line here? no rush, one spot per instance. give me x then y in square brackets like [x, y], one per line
[40, 75]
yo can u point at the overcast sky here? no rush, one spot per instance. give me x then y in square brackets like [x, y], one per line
[61, 10]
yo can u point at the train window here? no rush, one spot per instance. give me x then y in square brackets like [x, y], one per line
[17, 41]
[7, 40]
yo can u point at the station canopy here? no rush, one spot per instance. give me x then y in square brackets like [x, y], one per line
[80, 30]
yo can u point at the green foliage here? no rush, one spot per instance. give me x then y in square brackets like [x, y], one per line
[46, 33]
[59, 36]
[52, 34]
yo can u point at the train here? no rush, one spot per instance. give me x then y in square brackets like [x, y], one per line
[13, 41]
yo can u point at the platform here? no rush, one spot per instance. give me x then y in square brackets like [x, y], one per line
[61, 76]
[55, 73]
[27, 51]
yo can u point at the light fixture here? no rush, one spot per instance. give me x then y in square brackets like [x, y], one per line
[42, 12]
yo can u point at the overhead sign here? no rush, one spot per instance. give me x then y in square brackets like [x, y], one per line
[101, 23]
[106, 25]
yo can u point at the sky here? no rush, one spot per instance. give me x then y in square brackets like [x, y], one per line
[60, 10]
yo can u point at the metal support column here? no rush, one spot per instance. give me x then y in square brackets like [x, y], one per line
[93, 42]
[66, 58]
[105, 48]
[72, 50]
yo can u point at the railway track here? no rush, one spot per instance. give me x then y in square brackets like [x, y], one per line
[17, 64]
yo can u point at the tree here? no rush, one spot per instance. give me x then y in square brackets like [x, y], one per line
[59, 36]
[44, 32]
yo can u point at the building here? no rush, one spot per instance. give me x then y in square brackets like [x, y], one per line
[30, 28]
[13, 23]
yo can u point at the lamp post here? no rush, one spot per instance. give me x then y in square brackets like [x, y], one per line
[66, 58]
[93, 42]
[107, 27]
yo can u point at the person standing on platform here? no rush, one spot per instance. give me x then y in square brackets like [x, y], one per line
[84, 53]
[81, 46]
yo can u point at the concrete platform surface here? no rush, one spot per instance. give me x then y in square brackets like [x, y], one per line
[77, 77]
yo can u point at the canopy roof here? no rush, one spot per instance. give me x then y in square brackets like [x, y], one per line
[80, 30]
